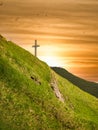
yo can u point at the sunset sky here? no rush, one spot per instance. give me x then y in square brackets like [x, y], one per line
[66, 30]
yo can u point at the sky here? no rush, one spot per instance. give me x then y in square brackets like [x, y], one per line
[66, 30]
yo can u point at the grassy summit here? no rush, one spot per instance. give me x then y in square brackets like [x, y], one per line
[33, 97]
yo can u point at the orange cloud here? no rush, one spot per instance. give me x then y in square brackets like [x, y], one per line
[66, 30]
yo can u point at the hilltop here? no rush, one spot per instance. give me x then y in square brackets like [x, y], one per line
[34, 97]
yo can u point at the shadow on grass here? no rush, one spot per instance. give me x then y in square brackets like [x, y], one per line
[87, 86]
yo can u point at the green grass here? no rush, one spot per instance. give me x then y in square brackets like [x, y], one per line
[84, 105]
[27, 105]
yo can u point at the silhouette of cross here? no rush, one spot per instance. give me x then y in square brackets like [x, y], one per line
[35, 46]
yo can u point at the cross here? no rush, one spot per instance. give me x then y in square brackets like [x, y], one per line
[35, 46]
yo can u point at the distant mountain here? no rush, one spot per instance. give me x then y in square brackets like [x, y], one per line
[34, 97]
[89, 87]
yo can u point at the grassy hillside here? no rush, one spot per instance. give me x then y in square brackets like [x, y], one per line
[30, 95]
[87, 86]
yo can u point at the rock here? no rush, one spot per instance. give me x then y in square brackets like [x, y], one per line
[36, 80]
[55, 88]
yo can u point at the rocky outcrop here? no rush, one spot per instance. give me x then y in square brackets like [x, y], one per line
[55, 88]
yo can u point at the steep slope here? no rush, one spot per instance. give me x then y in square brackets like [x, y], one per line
[33, 97]
[87, 86]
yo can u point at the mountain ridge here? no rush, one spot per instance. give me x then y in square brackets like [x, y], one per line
[83, 84]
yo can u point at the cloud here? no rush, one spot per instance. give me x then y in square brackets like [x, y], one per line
[70, 25]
